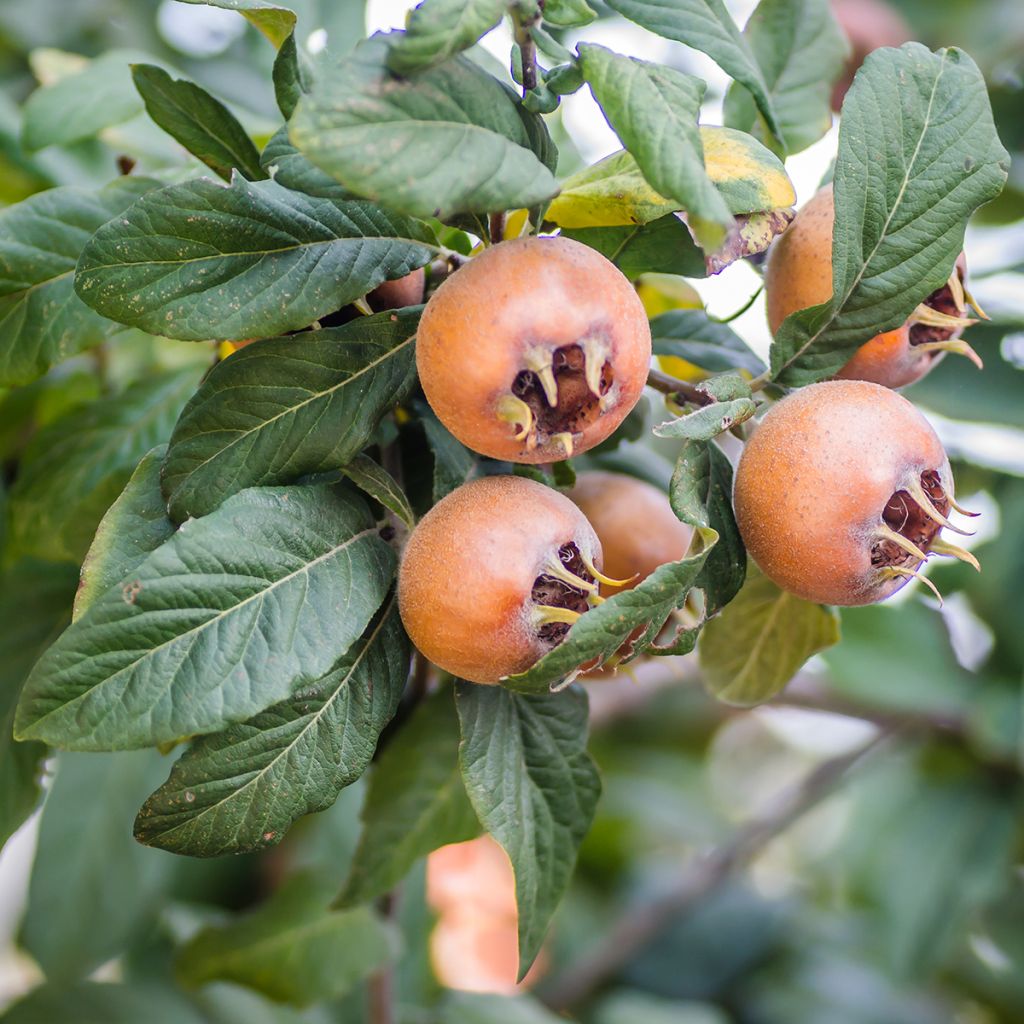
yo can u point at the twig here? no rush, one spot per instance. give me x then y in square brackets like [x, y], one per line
[496, 227]
[527, 52]
[380, 988]
[644, 922]
[672, 386]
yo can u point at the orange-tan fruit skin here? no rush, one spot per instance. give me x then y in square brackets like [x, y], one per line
[814, 479]
[634, 522]
[799, 274]
[464, 587]
[476, 326]
[403, 291]
[868, 24]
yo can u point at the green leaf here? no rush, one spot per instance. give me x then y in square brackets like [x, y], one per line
[240, 790]
[654, 110]
[286, 407]
[601, 632]
[80, 105]
[74, 468]
[438, 29]
[415, 803]
[533, 787]
[568, 13]
[454, 463]
[234, 613]
[706, 26]
[483, 1008]
[92, 1002]
[35, 605]
[288, 167]
[201, 123]
[292, 76]
[42, 320]
[93, 890]
[274, 21]
[905, 186]
[725, 570]
[692, 335]
[752, 650]
[448, 141]
[380, 485]
[662, 246]
[203, 260]
[801, 51]
[292, 948]
[136, 524]
[709, 421]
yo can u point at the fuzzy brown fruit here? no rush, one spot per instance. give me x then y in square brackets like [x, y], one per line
[799, 274]
[635, 524]
[403, 291]
[495, 574]
[868, 24]
[842, 491]
[533, 351]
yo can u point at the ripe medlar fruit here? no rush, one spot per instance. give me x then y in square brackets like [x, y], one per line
[799, 274]
[494, 576]
[403, 291]
[635, 524]
[534, 350]
[842, 491]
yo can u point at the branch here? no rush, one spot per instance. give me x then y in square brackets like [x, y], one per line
[671, 386]
[645, 921]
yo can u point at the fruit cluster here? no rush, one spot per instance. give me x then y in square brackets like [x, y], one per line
[538, 348]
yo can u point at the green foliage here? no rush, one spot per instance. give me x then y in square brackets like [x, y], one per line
[692, 335]
[439, 29]
[416, 802]
[662, 246]
[317, 397]
[228, 256]
[533, 787]
[923, 176]
[230, 615]
[450, 140]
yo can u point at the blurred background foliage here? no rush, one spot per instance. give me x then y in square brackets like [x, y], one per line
[758, 890]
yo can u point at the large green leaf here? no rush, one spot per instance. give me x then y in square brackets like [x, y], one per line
[241, 789]
[416, 802]
[447, 141]
[136, 524]
[288, 167]
[292, 948]
[906, 182]
[654, 110]
[282, 408]
[201, 123]
[234, 613]
[247, 260]
[707, 26]
[758, 643]
[801, 50]
[74, 468]
[662, 246]
[35, 605]
[93, 889]
[438, 29]
[92, 1002]
[81, 104]
[534, 788]
[692, 335]
[275, 21]
[42, 320]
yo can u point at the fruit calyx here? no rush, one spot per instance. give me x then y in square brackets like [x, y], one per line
[559, 392]
[909, 532]
[935, 325]
[565, 589]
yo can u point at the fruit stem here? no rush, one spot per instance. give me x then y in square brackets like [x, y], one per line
[669, 385]
[761, 381]
[496, 227]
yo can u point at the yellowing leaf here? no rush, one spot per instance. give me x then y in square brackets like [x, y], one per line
[614, 192]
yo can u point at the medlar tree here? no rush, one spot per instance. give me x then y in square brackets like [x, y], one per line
[266, 530]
